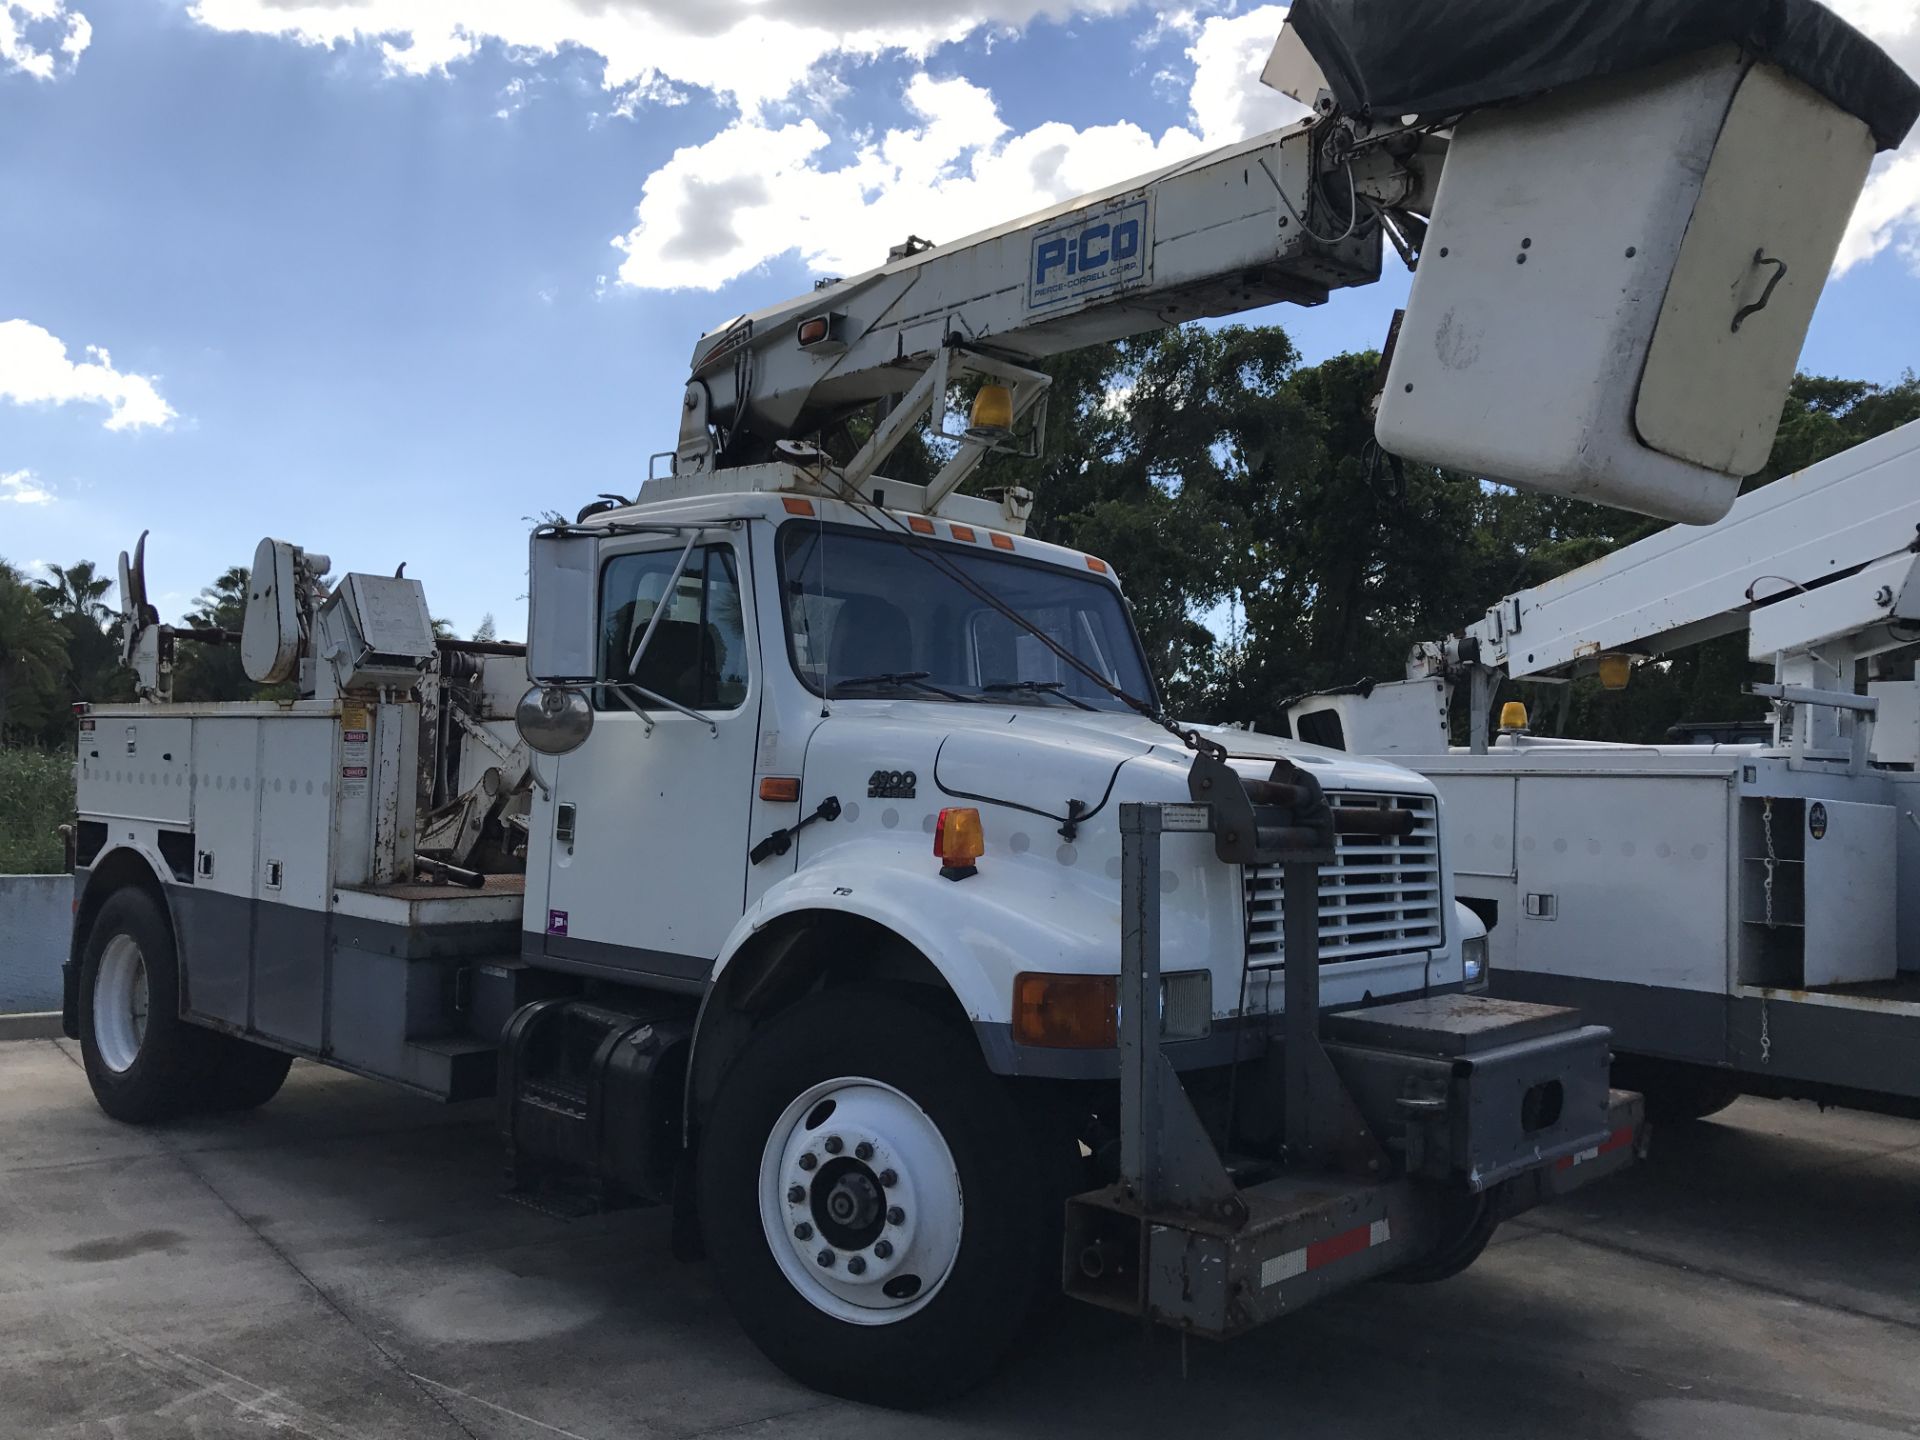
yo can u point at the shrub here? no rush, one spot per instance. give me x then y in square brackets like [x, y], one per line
[36, 798]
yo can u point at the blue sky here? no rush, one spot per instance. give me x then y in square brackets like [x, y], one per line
[353, 266]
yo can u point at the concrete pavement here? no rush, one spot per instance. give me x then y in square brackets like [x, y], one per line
[340, 1265]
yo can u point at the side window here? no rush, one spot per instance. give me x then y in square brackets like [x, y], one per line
[697, 656]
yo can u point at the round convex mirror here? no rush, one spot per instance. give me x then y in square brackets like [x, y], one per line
[553, 719]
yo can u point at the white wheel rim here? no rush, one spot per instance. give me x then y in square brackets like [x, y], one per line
[867, 1146]
[120, 1003]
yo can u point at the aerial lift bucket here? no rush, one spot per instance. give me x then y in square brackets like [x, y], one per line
[1638, 211]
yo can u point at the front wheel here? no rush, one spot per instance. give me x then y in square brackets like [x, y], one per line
[872, 1201]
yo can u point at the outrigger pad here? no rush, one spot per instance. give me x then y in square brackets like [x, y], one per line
[1437, 57]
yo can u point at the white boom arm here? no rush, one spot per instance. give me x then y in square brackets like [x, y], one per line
[1821, 568]
[1609, 297]
[1229, 231]
[1769, 565]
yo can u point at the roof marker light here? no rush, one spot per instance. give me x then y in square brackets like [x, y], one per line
[797, 505]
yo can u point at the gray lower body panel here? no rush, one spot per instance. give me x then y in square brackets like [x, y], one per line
[381, 999]
[1784, 1046]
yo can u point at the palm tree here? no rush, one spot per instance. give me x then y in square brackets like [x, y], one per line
[33, 652]
[76, 590]
[223, 604]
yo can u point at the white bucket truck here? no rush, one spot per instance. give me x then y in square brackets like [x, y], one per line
[825, 865]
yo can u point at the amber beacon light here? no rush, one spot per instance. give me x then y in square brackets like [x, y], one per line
[959, 841]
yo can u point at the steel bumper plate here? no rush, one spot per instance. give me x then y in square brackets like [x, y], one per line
[1304, 1238]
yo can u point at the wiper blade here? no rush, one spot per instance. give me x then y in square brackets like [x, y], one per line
[915, 678]
[1056, 688]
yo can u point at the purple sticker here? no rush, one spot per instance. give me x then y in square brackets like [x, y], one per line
[556, 922]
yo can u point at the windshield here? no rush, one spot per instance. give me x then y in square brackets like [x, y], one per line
[868, 616]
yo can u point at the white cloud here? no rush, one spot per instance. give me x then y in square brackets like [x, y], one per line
[1227, 100]
[35, 370]
[758, 190]
[41, 38]
[1889, 211]
[22, 487]
[755, 51]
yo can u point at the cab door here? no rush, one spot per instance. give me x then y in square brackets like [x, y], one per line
[647, 860]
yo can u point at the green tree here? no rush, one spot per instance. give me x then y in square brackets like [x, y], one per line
[77, 590]
[33, 656]
[208, 672]
[76, 596]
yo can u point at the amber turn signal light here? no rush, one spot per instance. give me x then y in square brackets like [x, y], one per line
[1066, 1012]
[783, 789]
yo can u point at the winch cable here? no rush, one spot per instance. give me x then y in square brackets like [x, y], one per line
[1190, 738]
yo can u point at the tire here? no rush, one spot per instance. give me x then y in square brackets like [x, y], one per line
[144, 1062]
[954, 1190]
[1467, 1233]
[1676, 1092]
[245, 1076]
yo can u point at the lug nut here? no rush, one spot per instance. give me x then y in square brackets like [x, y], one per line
[833, 1145]
[809, 1160]
[863, 1151]
[796, 1193]
[826, 1259]
[883, 1249]
[856, 1266]
[803, 1231]
[896, 1216]
[889, 1179]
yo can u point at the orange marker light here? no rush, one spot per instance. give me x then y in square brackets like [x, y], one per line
[1001, 542]
[920, 525]
[783, 789]
[1066, 1012]
[797, 506]
[962, 532]
[1099, 567]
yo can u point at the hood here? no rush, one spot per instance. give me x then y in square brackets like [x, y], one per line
[1039, 758]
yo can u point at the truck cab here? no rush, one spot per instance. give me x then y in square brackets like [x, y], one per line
[820, 681]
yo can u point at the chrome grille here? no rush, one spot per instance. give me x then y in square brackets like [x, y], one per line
[1381, 895]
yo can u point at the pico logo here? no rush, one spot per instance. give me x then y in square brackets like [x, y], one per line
[1089, 254]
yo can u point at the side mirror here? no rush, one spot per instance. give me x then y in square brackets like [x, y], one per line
[561, 633]
[553, 719]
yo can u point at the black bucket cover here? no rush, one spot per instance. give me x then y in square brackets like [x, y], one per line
[1438, 57]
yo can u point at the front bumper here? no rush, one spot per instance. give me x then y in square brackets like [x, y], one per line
[1304, 1237]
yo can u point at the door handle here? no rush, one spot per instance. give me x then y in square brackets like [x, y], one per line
[565, 817]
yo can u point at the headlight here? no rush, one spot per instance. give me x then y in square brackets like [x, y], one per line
[1186, 1005]
[1473, 960]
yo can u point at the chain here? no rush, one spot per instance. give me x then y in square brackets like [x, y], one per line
[1766, 1036]
[1766, 815]
[1192, 739]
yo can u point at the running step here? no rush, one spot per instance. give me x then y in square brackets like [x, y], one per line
[454, 1067]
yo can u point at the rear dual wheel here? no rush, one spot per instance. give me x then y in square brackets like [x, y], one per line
[871, 1200]
[144, 1062]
